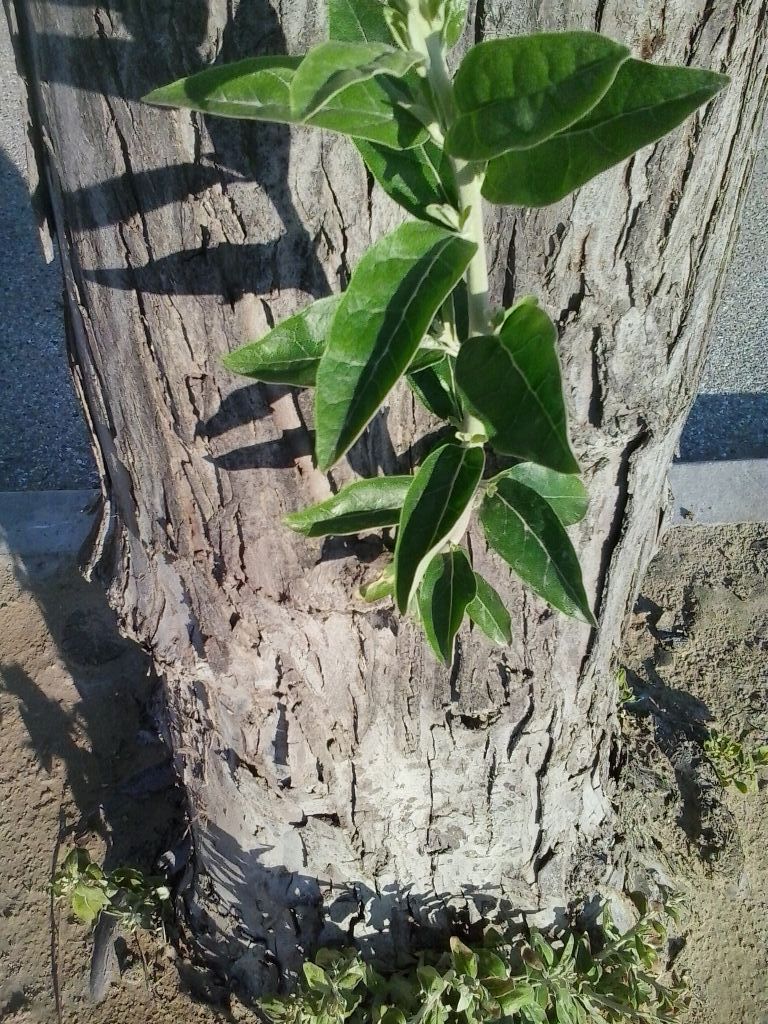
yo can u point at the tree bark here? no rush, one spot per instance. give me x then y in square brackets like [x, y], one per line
[341, 784]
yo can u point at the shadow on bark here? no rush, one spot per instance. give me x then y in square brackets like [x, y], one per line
[117, 199]
[282, 917]
[101, 59]
[227, 269]
[282, 453]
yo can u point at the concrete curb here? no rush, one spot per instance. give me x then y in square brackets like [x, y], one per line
[37, 524]
[714, 493]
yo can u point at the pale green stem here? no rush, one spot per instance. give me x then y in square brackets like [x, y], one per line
[469, 179]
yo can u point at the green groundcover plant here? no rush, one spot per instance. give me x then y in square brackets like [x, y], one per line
[524, 121]
[736, 762]
[574, 979]
[126, 894]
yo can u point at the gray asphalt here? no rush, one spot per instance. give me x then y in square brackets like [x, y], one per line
[43, 441]
[729, 419]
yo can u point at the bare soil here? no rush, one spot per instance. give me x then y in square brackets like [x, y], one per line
[697, 659]
[83, 762]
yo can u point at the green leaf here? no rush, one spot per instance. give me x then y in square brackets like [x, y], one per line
[393, 1015]
[446, 590]
[522, 527]
[414, 177]
[464, 960]
[363, 505]
[565, 492]
[358, 21]
[393, 295]
[435, 388]
[516, 999]
[290, 352]
[511, 382]
[259, 89]
[645, 102]
[330, 68]
[381, 587]
[488, 612]
[430, 980]
[437, 505]
[490, 965]
[372, 110]
[256, 88]
[88, 901]
[455, 20]
[502, 986]
[515, 93]
[315, 976]
[426, 356]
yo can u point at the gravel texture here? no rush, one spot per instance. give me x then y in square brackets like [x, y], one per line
[43, 440]
[730, 416]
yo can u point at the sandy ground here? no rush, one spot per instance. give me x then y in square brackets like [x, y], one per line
[82, 759]
[697, 659]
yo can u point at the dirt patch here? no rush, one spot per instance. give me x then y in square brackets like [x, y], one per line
[82, 761]
[697, 659]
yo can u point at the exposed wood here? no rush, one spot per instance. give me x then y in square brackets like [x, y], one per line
[341, 783]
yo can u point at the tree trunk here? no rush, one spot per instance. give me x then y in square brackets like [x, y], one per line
[341, 783]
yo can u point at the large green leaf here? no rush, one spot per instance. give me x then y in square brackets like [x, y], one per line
[393, 295]
[437, 505]
[645, 102]
[415, 178]
[511, 382]
[255, 88]
[446, 590]
[372, 110]
[565, 492]
[331, 68]
[523, 528]
[488, 612]
[290, 353]
[514, 93]
[363, 505]
[259, 89]
[358, 21]
[88, 901]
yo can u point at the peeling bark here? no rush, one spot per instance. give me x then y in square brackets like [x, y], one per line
[342, 785]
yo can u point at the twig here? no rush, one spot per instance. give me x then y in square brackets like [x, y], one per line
[145, 967]
[53, 916]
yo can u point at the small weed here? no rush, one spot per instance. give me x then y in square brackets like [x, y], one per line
[626, 693]
[573, 979]
[735, 763]
[135, 899]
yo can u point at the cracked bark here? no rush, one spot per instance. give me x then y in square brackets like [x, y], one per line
[341, 784]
